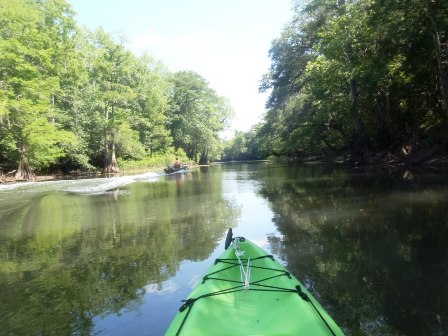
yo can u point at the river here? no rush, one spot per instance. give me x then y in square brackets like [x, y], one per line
[115, 256]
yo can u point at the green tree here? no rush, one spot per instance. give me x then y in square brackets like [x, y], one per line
[358, 78]
[244, 146]
[30, 135]
[149, 115]
[74, 102]
[197, 116]
[71, 99]
[111, 76]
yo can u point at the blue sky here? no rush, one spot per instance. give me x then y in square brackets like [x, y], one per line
[225, 41]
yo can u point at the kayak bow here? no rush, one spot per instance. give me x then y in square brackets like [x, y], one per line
[247, 292]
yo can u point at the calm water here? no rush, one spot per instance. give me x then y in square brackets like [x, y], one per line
[115, 256]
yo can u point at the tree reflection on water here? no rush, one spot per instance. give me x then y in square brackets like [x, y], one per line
[66, 258]
[371, 247]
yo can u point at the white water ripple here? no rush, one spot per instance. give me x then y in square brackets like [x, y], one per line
[81, 186]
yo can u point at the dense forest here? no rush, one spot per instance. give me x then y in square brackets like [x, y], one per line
[361, 80]
[77, 100]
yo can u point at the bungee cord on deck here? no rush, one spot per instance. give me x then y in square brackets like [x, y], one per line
[244, 284]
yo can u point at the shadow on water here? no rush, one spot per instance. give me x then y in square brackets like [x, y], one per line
[371, 246]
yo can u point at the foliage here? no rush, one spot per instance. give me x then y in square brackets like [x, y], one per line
[358, 77]
[157, 160]
[244, 146]
[197, 116]
[28, 63]
[72, 99]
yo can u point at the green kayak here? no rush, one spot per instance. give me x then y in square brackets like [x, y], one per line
[247, 292]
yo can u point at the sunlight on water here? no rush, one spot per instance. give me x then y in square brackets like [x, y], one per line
[164, 287]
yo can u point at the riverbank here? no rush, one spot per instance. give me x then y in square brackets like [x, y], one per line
[432, 159]
[86, 175]
[408, 157]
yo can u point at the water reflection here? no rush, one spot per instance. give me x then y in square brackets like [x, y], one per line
[116, 256]
[371, 247]
[68, 258]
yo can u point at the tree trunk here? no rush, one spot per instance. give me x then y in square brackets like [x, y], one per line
[442, 77]
[354, 105]
[106, 134]
[382, 112]
[24, 172]
[113, 166]
[191, 152]
[53, 110]
[388, 118]
[441, 74]
[359, 145]
[204, 157]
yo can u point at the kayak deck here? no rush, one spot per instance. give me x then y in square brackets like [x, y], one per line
[273, 302]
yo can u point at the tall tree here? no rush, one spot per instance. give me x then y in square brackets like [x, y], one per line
[149, 116]
[197, 116]
[29, 80]
[73, 99]
[358, 77]
[111, 75]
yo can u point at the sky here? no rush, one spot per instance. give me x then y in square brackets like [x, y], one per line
[224, 41]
